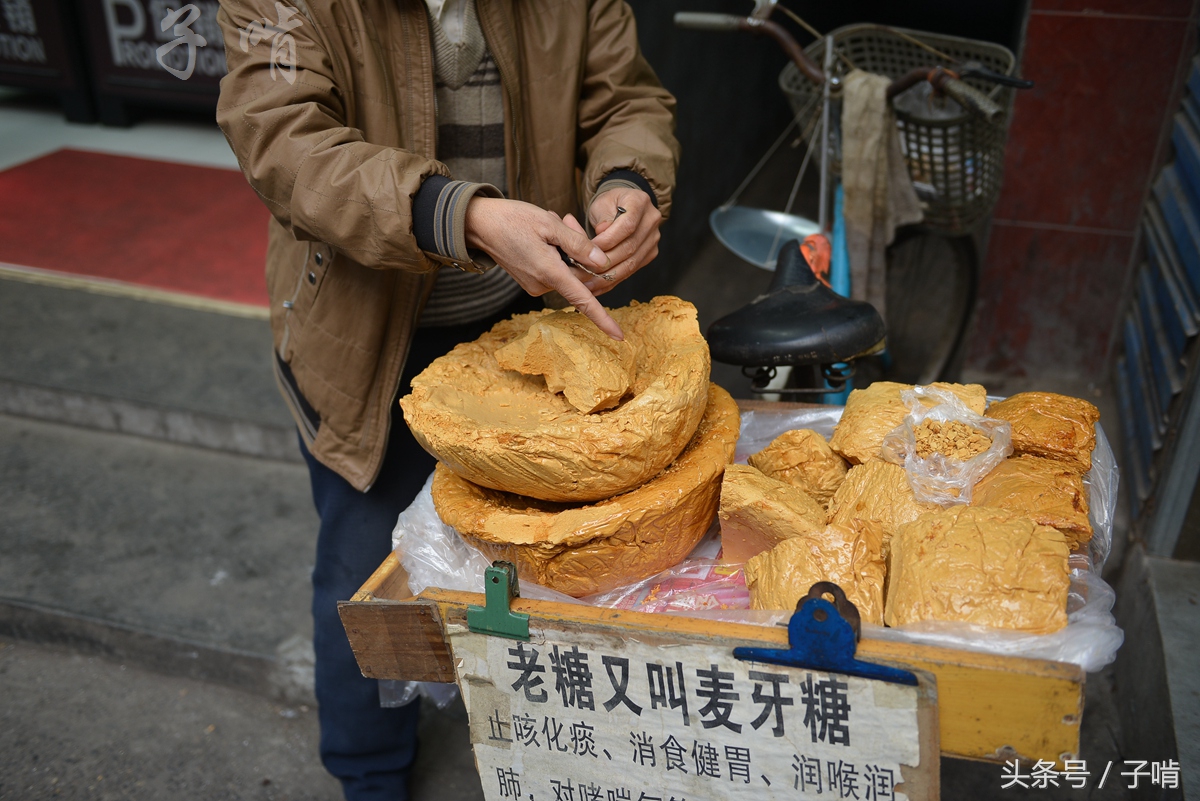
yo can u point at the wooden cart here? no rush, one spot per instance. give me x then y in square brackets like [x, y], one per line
[987, 707]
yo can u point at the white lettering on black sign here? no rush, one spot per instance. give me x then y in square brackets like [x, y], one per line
[136, 35]
[18, 33]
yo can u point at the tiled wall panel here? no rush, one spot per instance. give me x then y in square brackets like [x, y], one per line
[1082, 147]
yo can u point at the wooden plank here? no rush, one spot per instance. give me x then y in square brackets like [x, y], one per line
[398, 640]
[990, 707]
[389, 582]
[919, 784]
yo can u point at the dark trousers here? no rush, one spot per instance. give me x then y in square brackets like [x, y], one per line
[369, 748]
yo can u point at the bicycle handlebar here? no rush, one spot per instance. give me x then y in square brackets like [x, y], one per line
[704, 21]
[971, 98]
[967, 96]
[943, 80]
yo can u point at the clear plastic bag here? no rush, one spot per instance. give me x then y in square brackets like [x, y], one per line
[694, 585]
[940, 479]
[1090, 639]
[434, 555]
[394, 693]
[1101, 483]
[759, 429]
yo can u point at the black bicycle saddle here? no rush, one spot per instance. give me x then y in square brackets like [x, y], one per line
[799, 321]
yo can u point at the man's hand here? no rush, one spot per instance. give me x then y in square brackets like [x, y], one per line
[523, 239]
[629, 238]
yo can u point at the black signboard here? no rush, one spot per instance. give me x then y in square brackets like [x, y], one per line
[39, 49]
[133, 59]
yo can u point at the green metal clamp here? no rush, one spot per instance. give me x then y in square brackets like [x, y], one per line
[500, 586]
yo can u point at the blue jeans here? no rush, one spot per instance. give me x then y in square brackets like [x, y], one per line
[369, 748]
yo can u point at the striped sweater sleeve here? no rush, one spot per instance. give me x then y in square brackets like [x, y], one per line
[439, 220]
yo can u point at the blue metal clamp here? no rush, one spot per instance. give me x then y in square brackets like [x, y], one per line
[821, 638]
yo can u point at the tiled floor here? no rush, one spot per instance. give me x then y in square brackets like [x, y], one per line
[31, 127]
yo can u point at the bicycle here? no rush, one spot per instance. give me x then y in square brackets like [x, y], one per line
[955, 159]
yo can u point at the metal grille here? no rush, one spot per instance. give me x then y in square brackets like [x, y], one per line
[962, 159]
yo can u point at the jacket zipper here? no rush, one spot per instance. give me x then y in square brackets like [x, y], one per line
[506, 82]
[516, 139]
[387, 418]
[290, 303]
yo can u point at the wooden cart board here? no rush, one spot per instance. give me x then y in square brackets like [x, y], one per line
[989, 707]
[582, 711]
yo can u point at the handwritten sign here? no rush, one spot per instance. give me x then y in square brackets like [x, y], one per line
[594, 716]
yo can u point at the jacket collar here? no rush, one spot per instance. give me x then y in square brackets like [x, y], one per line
[499, 20]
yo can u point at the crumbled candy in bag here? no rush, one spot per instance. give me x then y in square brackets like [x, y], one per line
[945, 448]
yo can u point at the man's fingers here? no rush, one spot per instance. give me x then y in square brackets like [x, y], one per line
[585, 302]
[557, 276]
[620, 214]
[646, 254]
[634, 253]
[529, 243]
[603, 210]
[625, 248]
[532, 286]
[591, 308]
[621, 229]
[578, 246]
[572, 223]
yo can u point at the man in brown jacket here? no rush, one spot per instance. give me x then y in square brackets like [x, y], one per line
[404, 148]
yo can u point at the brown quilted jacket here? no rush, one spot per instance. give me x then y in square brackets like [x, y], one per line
[338, 148]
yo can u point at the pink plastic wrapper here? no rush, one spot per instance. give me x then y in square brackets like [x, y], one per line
[695, 585]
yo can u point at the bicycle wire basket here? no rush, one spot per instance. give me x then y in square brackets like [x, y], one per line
[959, 160]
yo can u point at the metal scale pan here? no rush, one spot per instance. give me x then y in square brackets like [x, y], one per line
[754, 235]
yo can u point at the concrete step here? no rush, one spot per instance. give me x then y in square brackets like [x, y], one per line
[1158, 686]
[1177, 598]
[136, 367]
[74, 726]
[185, 559]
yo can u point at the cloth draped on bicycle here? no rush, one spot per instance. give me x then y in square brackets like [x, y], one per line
[879, 195]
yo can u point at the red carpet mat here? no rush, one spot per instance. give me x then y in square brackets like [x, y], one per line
[198, 231]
